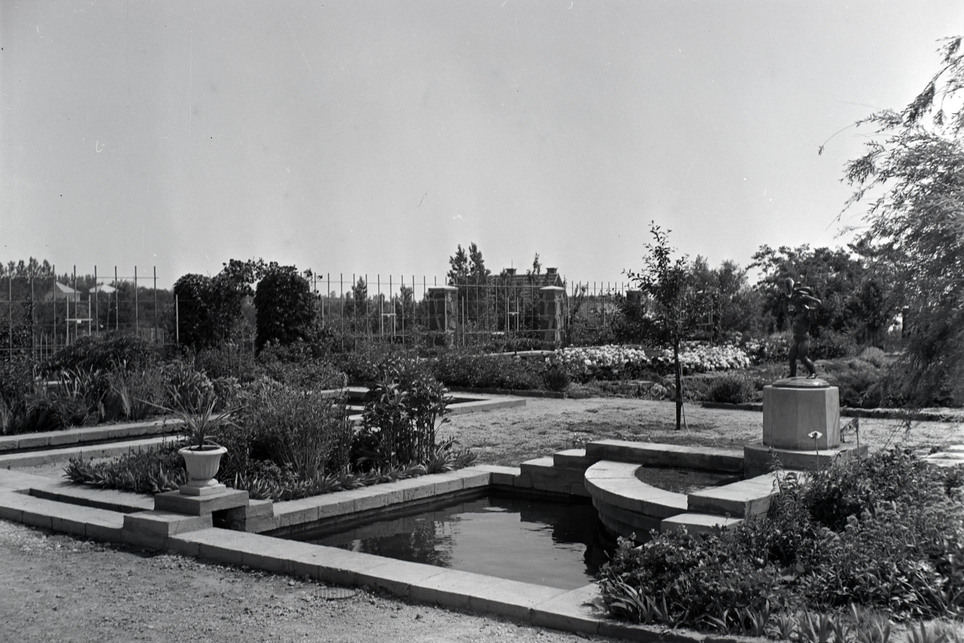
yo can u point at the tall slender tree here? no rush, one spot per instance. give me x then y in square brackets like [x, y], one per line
[673, 301]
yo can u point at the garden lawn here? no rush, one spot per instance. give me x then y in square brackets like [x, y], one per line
[544, 426]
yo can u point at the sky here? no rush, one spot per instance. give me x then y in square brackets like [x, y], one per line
[374, 136]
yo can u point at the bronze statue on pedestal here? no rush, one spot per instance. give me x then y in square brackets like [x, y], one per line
[800, 306]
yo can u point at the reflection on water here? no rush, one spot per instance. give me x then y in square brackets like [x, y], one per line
[531, 540]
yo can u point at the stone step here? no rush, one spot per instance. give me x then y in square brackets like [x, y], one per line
[85, 522]
[541, 474]
[571, 459]
[110, 499]
[666, 455]
[738, 500]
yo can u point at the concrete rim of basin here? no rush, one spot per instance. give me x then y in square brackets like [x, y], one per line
[801, 382]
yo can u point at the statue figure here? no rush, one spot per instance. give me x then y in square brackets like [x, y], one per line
[800, 304]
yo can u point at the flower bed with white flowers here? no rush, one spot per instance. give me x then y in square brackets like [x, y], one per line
[697, 357]
[623, 362]
[584, 363]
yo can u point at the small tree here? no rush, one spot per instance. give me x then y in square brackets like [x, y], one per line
[194, 315]
[285, 306]
[209, 310]
[674, 305]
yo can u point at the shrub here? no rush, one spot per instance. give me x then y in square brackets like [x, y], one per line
[884, 532]
[16, 385]
[304, 431]
[730, 389]
[402, 415]
[555, 377]
[364, 365]
[298, 365]
[285, 305]
[831, 344]
[227, 360]
[696, 580]
[91, 354]
[472, 370]
[52, 412]
[875, 356]
[860, 383]
[772, 348]
[698, 357]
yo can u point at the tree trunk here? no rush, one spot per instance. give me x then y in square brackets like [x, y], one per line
[679, 384]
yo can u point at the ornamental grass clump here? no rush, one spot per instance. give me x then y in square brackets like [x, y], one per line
[302, 432]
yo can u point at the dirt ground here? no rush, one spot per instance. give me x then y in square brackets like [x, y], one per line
[60, 588]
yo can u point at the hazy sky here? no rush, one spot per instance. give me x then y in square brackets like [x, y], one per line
[374, 136]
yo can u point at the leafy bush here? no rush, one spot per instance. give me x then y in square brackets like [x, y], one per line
[830, 344]
[875, 356]
[298, 364]
[364, 365]
[401, 418]
[695, 580]
[16, 385]
[884, 532]
[227, 360]
[52, 412]
[91, 354]
[860, 383]
[472, 370]
[285, 305]
[555, 377]
[772, 348]
[303, 431]
[730, 389]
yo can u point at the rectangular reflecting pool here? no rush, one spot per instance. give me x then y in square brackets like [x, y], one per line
[528, 539]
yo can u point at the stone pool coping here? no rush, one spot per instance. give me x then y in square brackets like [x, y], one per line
[126, 518]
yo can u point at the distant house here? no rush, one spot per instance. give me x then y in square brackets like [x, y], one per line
[61, 292]
[103, 289]
[509, 277]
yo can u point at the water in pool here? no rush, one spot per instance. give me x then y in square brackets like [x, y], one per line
[537, 541]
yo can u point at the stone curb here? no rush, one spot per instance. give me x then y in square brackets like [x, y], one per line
[569, 610]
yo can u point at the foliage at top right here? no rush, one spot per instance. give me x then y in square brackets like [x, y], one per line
[912, 180]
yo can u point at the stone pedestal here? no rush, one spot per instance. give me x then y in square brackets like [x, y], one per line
[177, 502]
[442, 314]
[793, 409]
[550, 314]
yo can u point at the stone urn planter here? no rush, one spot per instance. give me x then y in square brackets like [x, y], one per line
[194, 405]
[202, 464]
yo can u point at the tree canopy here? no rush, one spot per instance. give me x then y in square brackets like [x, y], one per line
[911, 178]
